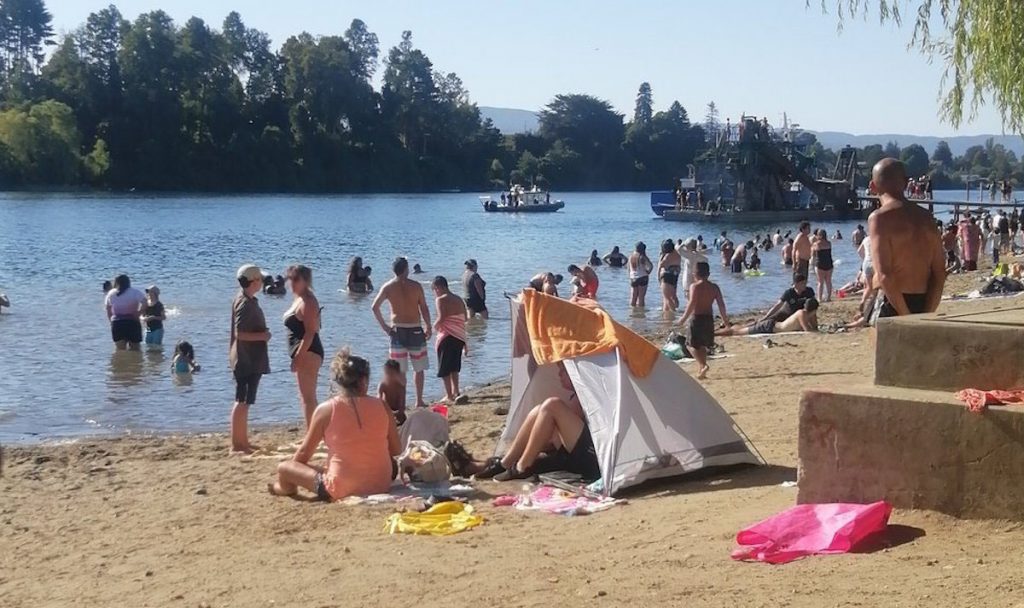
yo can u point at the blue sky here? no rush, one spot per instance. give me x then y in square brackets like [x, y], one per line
[762, 57]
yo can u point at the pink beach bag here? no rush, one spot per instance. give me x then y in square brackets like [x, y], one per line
[811, 530]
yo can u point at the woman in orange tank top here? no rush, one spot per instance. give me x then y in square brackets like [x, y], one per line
[361, 439]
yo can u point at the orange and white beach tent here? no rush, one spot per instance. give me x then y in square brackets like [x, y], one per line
[648, 418]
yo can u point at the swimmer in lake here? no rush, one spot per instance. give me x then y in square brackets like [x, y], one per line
[615, 258]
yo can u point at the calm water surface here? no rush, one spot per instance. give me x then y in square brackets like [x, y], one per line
[61, 377]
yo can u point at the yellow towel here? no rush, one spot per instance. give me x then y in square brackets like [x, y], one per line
[562, 330]
[442, 519]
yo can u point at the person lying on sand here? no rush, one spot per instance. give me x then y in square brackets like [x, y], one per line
[361, 439]
[802, 320]
[558, 429]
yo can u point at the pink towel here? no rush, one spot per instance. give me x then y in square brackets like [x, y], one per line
[811, 530]
[978, 400]
[454, 326]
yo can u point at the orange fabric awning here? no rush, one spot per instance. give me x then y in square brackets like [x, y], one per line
[563, 330]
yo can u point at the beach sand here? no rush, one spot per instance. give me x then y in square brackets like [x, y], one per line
[175, 521]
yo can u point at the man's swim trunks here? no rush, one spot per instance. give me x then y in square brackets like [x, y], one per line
[702, 331]
[409, 347]
[916, 302]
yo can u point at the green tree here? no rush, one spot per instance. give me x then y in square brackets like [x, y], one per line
[365, 46]
[892, 149]
[589, 127]
[25, 27]
[43, 142]
[643, 112]
[981, 43]
[915, 157]
[942, 155]
[97, 162]
[711, 118]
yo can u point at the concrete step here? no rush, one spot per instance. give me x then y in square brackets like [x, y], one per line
[916, 449]
[948, 352]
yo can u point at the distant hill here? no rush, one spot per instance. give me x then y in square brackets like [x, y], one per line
[958, 144]
[511, 121]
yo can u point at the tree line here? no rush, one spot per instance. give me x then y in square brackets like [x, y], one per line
[990, 161]
[151, 105]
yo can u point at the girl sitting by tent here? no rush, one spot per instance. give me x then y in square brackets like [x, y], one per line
[556, 427]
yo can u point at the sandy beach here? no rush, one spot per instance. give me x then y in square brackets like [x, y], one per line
[176, 521]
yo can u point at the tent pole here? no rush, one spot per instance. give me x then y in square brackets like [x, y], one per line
[750, 443]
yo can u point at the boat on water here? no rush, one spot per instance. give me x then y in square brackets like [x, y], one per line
[755, 174]
[735, 216]
[520, 200]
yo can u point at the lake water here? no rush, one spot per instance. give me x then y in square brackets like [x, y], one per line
[60, 377]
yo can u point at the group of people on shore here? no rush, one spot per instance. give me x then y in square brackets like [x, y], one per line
[408, 327]
[966, 241]
[903, 271]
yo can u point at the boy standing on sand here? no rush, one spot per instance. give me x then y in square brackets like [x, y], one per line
[247, 353]
[703, 295]
[391, 390]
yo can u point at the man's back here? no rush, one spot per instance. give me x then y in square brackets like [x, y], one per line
[907, 232]
[404, 295]
[703, 294]
[802, 247]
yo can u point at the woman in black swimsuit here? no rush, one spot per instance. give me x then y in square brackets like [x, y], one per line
[303, 324]
[668, 272]
[358, 279]
[822, 251]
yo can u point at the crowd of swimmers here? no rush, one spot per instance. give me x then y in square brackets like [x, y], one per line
[904, 264]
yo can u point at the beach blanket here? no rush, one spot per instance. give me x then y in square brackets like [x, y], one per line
[554, 500]
[442, 519]
[978, 400]
[400, 492]
[811, 530]
[592, 332]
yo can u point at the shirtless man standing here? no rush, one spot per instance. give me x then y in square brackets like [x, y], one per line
[703, 295]
[802, 250]
[906, 250]
[410, 323]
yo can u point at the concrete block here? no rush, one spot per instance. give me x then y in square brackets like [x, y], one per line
[916, 449]
[948, 352]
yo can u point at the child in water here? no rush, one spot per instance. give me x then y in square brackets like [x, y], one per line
[154, 315]
[391, 389]
[184, 361]
[755, 261]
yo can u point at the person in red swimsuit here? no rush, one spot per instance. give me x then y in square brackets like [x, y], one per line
[588, 281]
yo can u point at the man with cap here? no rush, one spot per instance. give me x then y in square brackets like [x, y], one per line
[247, 353]
[409, 328]
[154, 316]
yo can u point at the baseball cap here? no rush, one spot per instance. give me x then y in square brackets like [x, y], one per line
[251, 272]
[153, 289]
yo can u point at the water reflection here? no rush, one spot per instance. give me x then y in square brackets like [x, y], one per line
[126, 369]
